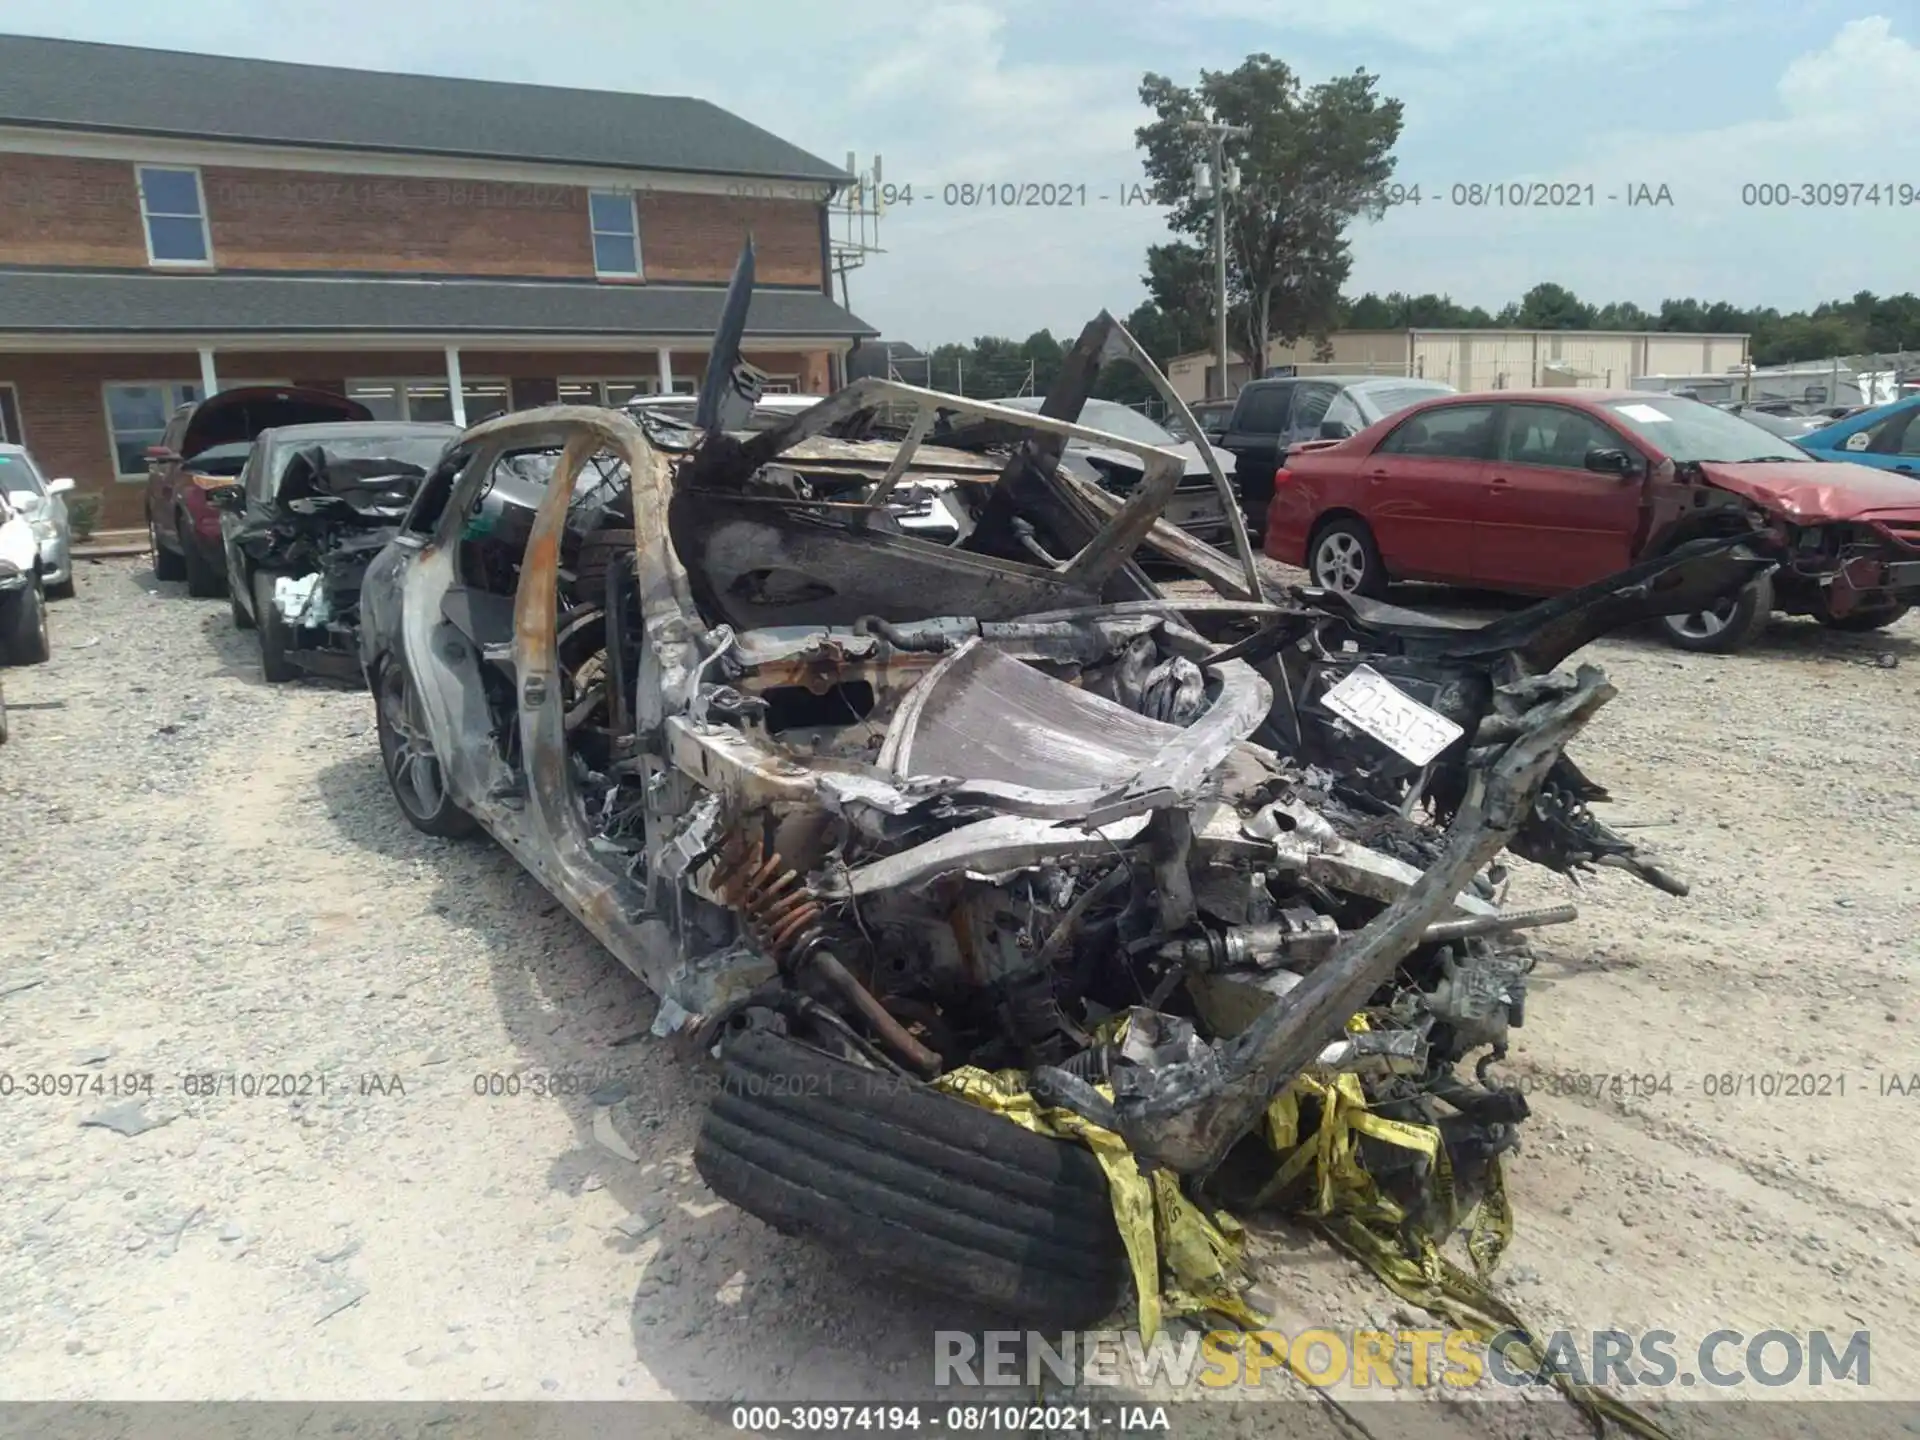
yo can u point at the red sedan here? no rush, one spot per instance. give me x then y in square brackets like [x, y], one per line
[1536, 492]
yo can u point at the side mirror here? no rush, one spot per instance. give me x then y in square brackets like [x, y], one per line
[1336, 430]
[60, 486]
[1611, 462]
[231, 498]
[162, 453]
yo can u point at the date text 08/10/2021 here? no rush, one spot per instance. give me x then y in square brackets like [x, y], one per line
[1069, 193]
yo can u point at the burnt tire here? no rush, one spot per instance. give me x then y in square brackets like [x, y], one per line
[406, 754]
[23, 626]
[203, 579]
[241, 619]
[903, 1180]
[167, 564]
[276, 638]
[1343, 557]
[1865, 618]
[599, 549]
[1731, 628]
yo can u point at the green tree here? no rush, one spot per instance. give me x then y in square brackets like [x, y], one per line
[1554, 307]
[1315, 161]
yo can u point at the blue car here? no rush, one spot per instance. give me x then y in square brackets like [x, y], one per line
[1886, 437]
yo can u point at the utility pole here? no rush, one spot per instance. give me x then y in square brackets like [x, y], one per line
[1219, 181]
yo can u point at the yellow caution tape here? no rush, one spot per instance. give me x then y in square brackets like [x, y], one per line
[1187, 1262]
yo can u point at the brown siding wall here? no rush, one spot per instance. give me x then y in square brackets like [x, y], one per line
[60, 211]
[63, 409]
[294, 220]
[698, 237]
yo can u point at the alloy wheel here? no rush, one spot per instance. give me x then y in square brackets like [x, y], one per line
[412, 765]
[1339, 563]
[1705, 624]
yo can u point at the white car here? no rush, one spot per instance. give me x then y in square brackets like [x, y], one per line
[41, 502]
[23, 598]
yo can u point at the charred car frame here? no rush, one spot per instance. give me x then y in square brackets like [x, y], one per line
[862, 808]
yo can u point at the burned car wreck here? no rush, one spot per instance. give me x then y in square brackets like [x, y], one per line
[866, 810]
[311, 508]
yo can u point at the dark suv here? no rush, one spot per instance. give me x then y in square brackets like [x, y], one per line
[1271, 415]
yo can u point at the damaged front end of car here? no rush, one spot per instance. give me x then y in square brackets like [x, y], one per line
[336, 505]
[1000, 804]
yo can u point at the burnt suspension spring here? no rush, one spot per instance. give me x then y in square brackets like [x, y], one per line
[773, 901]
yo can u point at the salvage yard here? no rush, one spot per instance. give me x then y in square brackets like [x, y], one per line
[209, 883]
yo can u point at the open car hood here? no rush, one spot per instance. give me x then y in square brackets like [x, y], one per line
[1818, 489]
[235, 416]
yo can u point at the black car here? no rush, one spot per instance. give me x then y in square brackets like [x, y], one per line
[311, 508]
[1271, 415]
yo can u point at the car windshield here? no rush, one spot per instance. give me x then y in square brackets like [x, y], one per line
[411, 452]
[1785, 426]
[1690, 432]
[1108, 415]
[18, 477]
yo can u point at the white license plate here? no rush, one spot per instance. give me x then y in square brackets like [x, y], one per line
[1373, 703]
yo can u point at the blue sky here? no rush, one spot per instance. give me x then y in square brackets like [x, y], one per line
[1704, 96]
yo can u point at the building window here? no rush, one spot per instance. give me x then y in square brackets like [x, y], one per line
[611, 393]
[781, 385]
[176, 216]
[616, 233]
[137, 417]
[430, 399]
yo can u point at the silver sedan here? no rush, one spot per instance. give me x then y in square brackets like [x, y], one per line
[42, 503]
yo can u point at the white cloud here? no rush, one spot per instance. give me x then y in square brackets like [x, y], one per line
[1013, 90]
[1836, 123]
[1495, 32]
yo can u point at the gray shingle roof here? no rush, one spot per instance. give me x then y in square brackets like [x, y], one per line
[84, 302]
[79, 85]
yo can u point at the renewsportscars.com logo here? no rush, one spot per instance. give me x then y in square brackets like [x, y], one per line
[1395, 1359]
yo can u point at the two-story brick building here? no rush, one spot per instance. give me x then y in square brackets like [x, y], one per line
[175, 224]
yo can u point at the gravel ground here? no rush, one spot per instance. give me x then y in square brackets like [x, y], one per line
[207, 877]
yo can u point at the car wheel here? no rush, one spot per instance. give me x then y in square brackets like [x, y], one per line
[61, 591]
[275, 639]
[241, 619]
[23, 626]
[1866, 617]
[1732, 625]
[413, 769]
[167, 565]
[3, 715]
[901, 1179]
[203, 580]
[1344, 558]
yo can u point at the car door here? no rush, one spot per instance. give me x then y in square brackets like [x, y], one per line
[163, 476]
[1546, 522]
[255, 480]
[1252, 437]
[1420, 489]
[1258, 421]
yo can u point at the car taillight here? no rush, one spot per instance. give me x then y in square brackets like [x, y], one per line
[1281, 477]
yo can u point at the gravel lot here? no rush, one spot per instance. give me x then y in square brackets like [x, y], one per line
[207, 876]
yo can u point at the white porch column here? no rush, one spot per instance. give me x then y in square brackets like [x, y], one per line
[209, 381]
[665, 357]
[454, 390]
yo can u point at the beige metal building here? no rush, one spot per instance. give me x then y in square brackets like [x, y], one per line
[1487, 359]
